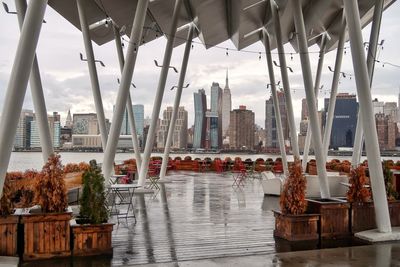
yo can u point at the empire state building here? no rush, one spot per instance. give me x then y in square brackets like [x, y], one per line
[226, 107]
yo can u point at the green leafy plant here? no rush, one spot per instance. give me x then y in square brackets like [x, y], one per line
[49, 187]
[93, 201]
[391, 193]
[6, 204]
[293, 196]
[358, 192]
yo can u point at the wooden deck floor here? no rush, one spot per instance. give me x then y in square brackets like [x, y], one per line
[197, 216]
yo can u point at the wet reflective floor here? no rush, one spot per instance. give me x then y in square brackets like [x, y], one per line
[195, 217]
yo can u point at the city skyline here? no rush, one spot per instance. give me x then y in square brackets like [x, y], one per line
[68, 78]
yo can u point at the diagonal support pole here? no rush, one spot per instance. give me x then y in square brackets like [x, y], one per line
[310, 96]
[334, 89]
[316, 87]
[368, 119]
[94, 79]
[285, 80]
[39, 103]
[129, 108]
[123, 91]
[18, 82]
[372, 50]
[177, 101]
[277, 111]
[159, 94]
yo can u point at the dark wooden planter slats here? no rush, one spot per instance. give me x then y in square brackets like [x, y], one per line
[296, 227]
[46, 235]
[92, 239]
[8, 235]
[334, 220]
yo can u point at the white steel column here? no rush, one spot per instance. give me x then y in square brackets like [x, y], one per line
[18, 82]
[368, 118]
[159, 94]
[316, 87]
[37, 94]
[285, 80]
[334, 89]
[129, 108]
[94, 79]
[177, 101]
[123, 91]
[277, 111]
[310, 96]
[372, 50]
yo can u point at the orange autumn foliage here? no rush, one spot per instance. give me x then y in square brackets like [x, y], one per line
[293, 196]
[357, 191]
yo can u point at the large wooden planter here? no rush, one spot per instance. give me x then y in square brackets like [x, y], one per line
[296, 227]
[91, 239]
[334, 217]
[8, 235]
[46, 235]
[363, 215]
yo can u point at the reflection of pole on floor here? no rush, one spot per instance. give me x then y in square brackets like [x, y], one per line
[123, 91]
[368, 119]
[334, 89]
[177, 101]
[39, 103]
[275, 101]
[94, 79]
[372, 50]
[18, 82]
[159, 94]
[129, 108]
[285, 80]
[316, 87]
[310, 96]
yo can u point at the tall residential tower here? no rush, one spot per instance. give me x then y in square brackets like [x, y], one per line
[226, 107]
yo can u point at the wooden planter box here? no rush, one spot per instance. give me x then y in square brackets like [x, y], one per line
[91, 239]
[46, 235]
[8, 235]
[296, 227]
[363, 215]
[334, 217]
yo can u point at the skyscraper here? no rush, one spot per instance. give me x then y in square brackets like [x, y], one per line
[226, 107]
[344, 120]
[200, 108]
[22, 136]
[85, 123]
[138, 114]
[272, 142]
[179, 137]
[68, 122]
[55, 131]
[216, 116]
[241, 129]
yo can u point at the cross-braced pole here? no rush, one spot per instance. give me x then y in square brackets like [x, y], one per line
[159, 94]
[177, 101]
[310, 96]
[18, 82]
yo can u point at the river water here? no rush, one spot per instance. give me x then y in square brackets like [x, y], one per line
[33, 160]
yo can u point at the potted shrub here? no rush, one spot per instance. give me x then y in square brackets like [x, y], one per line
[8, 222]
[291, 223]
[91, 234]
[46, 230]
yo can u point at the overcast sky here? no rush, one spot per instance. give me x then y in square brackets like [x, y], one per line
[67, 85]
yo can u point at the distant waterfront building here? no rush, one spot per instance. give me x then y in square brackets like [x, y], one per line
[226, 107]
[55, 131]
[23, 133]
[200, 108]
[272, 142]
[216, 116]
[344, 120]
[85, 123]
[386, 128]
[179, 138]
[304, 109]
[68, 122]
[241, 129]
[138, 114]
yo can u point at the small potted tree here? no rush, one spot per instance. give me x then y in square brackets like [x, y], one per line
[291, 223]
[46, 229]
[90, 232]
[8, 222]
